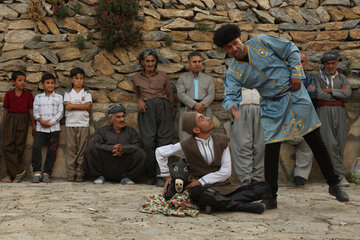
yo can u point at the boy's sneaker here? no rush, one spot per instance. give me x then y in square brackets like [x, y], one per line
[71, 178]
[46, 178]
[126, 181]
[37, 177]
[99, 180]
[6, 179]
[19, 177]
[344, 183]
[298, 181]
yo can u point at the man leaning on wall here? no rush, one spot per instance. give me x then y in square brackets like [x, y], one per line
[195, 90]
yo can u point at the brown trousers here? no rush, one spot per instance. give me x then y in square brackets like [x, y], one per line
[14, 141]
[76, 142]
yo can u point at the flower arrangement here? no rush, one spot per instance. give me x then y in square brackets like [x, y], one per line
[116, 19]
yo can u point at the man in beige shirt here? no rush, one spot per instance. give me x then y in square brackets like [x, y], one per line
[156, 110]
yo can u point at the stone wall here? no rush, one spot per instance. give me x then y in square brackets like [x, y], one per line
[48, 45]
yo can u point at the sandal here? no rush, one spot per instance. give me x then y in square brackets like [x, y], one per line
[46, 178]
[71, 178]
[37, 177]
[19, 177]
[80, 179]
[6, 179]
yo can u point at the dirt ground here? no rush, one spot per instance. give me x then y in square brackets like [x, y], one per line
[62, 210]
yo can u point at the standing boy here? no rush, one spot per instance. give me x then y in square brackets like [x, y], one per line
[18, 105]
[48, 110]
[77, 104]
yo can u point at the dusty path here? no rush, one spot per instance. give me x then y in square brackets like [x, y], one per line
[60, 210]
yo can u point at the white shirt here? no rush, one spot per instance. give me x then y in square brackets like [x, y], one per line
[249, 96]
[206, 148]
[48, 107]
[77, 118]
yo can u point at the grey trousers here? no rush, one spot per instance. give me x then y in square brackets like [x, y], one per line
[333, 131]
[247, 144]
[304, 158]
[76, 141]
[156, 127]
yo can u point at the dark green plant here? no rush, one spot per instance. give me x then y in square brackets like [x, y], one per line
[116, 19]
[60, 9]
[37, 39]
[347, 70]
[168, 39]
[90, 36]
[204, 27]
[80, 41]
[77, 7]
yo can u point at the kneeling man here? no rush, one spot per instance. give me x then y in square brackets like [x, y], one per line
[114, 152]
[210, 165]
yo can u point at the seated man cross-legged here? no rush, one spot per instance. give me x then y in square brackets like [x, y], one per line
[114, 152]
[209, 159]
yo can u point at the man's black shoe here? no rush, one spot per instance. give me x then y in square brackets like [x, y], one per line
[341, 195]
[270, 203]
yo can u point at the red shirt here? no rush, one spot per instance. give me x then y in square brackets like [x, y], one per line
[15, 104]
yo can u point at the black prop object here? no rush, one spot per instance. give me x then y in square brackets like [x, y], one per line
[180, 174]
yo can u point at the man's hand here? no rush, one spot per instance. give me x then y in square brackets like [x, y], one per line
[234, 112]
[167, 182]
[141, 105]
[117, 150]
[295, 84]
[193, 184]
[327, 90]
[44, 124]
[199, 107]
[310, 87]
[344, 88]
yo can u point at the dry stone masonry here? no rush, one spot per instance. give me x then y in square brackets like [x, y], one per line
[175, 28]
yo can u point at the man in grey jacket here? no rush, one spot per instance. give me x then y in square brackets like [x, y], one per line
[195, 90]
[333, 89]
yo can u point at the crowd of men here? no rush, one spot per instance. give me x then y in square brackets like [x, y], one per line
[270, 99]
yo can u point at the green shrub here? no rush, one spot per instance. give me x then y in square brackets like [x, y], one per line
[77, 8]
[116, 19]
[60, 9]
[204, 27]
[168, 39]
[80, 41]
[347, 70]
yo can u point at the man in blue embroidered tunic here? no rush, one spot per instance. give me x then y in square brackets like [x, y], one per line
[272, 66]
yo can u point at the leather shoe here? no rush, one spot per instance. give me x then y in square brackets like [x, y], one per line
[339, 193]
[270, 203]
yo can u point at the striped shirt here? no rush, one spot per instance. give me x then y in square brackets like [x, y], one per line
[48, 108]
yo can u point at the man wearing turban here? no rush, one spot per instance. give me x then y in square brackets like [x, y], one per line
[333, 90]
[114, 153]
[156, 110]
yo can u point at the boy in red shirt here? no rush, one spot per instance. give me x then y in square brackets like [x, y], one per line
[18, 105]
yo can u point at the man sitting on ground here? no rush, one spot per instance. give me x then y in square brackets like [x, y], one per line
[114, 152]
[210, 165]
